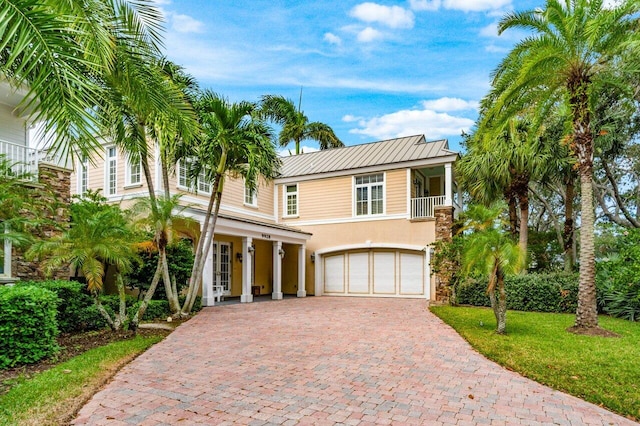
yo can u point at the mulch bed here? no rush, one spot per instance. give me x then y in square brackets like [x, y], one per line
[72, 345]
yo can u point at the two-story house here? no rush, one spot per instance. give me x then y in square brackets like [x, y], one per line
[352, 221]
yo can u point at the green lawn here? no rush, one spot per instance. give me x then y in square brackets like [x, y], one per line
[605, 371]
[52, 396]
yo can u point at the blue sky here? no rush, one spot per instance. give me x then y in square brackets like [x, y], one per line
[371, 70]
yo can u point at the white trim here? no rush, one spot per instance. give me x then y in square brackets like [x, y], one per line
[448, 184]
[408, 215]
[369, 245]
[83, 172]
[285, 201]
[428, 163]
[348, 219]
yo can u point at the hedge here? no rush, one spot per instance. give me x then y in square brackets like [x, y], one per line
[28, 327]
[531, 292]
[76, 311]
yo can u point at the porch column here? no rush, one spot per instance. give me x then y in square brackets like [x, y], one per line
[448, 185]
[247, 261]
[207, 281]
[302, 261]
[277, 271]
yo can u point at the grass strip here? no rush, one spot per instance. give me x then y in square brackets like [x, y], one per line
[51, 397]
[604, 371]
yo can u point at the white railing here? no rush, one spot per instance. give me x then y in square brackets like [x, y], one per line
[22, 159]
[423, 207]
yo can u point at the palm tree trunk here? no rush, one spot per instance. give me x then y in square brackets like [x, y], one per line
[523, 239]
[103, 311]
[501, 314]
[165, 176]
[208, 243]
[587, 312]
[568, 232]
[147, 297]
[196, 272]
[172, 297]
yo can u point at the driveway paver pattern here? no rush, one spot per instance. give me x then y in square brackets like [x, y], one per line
[326, 361]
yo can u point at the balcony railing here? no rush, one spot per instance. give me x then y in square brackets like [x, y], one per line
[423, 207]
[22, 159]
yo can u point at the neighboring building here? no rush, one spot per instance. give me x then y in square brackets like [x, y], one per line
[353, 221]
[47, 178]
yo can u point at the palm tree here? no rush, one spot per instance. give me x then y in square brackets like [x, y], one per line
[295, 124]
[58, 49]
[490, 250]
[236, 143]
[145, 107]
[573, 43]
[161, 224]
[100, 236]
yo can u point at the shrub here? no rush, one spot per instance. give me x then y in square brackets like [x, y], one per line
[531, 292]
[28, 327]
[76, 311]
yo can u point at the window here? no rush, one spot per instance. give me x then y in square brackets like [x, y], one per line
[250, 196]
[112, 169]
[369, 194]
[83, 176]
[185, 182]
[291, 200]
[134, 173]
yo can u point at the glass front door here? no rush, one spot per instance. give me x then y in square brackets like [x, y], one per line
[222, 266]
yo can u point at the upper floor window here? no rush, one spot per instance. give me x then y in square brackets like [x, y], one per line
[112, 170]
[134, 173]
[250, 196]
[203, 184]
[83, 176]
[369, 194]
[291, 200]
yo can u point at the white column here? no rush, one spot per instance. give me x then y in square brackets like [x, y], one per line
[207, 280]
[247, 261]
[319, 276]
[277, 271]
[302, 261]
[448, 185]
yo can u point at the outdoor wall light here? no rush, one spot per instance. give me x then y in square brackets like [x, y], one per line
[281, 253]
[239, 257]
[313, 257]
[251, 249]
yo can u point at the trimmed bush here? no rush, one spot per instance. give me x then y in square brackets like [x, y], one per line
[531, 292]
[28, 327]
[76, 311]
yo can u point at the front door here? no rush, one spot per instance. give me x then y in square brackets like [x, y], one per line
[222, 266]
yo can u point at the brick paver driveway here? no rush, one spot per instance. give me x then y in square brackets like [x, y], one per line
[327, 361]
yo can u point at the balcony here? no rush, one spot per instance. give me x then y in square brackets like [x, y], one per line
[423, 207]
[23, 160]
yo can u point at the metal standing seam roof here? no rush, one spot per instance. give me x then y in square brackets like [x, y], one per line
[399, 150]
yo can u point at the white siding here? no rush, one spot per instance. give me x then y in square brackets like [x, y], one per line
[12, 129]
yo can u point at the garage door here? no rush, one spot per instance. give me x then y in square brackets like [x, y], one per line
[390, 273]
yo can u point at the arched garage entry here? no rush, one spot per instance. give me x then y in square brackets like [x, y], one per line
[373, 271]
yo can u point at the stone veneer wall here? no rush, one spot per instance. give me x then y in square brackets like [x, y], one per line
[54, 190]
[444, 229]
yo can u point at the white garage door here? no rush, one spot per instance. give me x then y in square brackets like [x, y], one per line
[390, 273]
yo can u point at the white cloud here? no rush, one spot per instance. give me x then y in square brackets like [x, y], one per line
[490, 31]
[369, 34]
[611, 4]
[492, 48]
[332, 39]
[432, 124]
[390, 16]
[462, 5]
[449, 104]
[186, 24]
[351, 118]
[424, 4]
